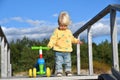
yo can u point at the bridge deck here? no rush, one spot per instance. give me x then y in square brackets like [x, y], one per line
[95, 77]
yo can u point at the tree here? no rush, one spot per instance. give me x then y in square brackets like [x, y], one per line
[104, 52]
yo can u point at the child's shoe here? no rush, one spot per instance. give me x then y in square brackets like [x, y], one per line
[59, 74]
[68, 73]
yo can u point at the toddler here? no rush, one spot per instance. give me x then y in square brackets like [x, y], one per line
[61, 42]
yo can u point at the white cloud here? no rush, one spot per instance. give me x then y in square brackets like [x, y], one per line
[32, 32]
[35, 22]
[42, 29]
[100, 29]
[19, 19]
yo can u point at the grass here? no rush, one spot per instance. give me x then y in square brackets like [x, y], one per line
[100, 67]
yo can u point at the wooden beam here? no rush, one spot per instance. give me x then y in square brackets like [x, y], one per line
[100, 15]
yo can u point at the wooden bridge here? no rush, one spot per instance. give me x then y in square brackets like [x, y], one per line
[6, 68]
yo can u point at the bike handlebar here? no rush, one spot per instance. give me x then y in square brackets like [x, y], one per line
[40, 47]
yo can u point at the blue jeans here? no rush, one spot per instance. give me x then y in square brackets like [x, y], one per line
[62, 58]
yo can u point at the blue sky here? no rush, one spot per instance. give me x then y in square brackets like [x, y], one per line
[36, 19]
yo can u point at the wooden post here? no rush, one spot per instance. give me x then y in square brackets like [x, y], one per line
[3, 58]
[114, 39]
[78, 58]
[9, 65]
[90, 51]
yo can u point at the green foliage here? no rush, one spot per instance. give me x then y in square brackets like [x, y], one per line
[84, 56]
[104, 53]
[23, 58]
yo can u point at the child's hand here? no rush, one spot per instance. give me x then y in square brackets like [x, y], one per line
[80, 42]
[49, 47]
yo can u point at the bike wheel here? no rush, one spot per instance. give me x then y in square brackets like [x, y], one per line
[48, 72]
[34, 72]
[30, 73]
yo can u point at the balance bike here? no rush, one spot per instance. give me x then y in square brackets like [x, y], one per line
[41, 63]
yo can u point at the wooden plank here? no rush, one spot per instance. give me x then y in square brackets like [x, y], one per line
[95, 77]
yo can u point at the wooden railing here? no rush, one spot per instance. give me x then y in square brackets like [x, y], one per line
[5, 56]
[109, 9]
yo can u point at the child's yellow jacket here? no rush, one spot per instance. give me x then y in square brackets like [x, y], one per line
[61, 40]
